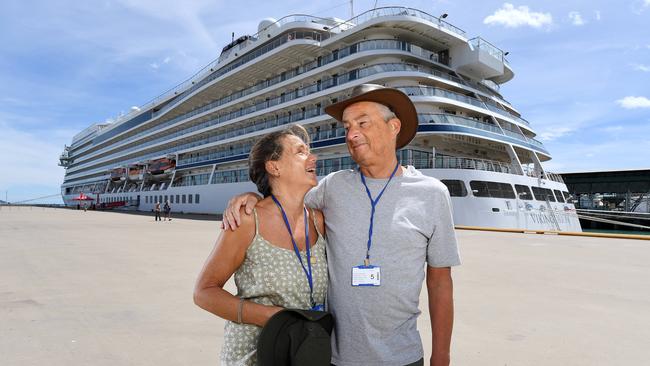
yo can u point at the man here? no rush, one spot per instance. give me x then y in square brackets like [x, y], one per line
[156, 209]
[384, 222]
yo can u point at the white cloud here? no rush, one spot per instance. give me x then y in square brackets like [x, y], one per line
[597, 12]
[154, 66]
[631, 102]
[576, 18]
[512, 17]
[556, 133]
[640, 67]
[167, 59]
[639, 6]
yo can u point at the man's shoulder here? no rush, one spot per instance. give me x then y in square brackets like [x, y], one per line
[340, 176]
[431, 184]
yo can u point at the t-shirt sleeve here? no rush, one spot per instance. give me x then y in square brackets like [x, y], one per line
[442, 249]
[315, 198]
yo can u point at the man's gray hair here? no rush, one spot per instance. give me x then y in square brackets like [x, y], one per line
[385, 112]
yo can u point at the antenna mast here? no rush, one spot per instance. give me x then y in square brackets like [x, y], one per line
[351, 9]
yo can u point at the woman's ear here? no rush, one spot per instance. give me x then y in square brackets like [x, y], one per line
[272, 168]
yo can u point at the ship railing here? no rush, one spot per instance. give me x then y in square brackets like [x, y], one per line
[515, 134]
[394, 11]
[304, 18]
[450, 162]
[535, 173]
[554, 177]
[430, 118]
[491, 84]
[492, 50]
[495, 108]
[433, 91]
[535, 142]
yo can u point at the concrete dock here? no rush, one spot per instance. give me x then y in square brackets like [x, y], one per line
[102, 288]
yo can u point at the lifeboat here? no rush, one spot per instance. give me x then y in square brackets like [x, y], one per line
[118, 174]
[136, 173]
[161, 166]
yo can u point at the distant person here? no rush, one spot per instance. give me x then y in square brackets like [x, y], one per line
[168, 209]
[156, 210]
[278, 253]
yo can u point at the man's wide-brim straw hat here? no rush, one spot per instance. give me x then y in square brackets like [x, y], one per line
[394, 99]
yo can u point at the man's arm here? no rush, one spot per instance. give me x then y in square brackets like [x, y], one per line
[441, 309]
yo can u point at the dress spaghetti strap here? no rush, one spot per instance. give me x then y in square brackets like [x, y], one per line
[257, 226]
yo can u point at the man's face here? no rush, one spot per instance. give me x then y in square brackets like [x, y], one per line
[369, 137]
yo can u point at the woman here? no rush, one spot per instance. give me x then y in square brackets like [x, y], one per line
[274, 267]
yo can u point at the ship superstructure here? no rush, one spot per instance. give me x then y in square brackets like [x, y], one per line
[190, 146]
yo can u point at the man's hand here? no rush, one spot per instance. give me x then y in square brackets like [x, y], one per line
[231, 218]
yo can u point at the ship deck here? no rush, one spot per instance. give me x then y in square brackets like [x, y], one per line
[102, 288]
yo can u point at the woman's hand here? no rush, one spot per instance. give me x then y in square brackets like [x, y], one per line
[231, 216]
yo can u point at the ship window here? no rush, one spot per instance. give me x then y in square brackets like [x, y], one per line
[523, 192]
[177, 199]
[558, 196]
[456, 187]
[171, 199]
[541, 194]
[160, 199]
[196, 198]
[491, 189]
[183, 196]
[166, 199]
[189, 198]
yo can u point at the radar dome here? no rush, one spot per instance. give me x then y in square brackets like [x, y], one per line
[267, 24]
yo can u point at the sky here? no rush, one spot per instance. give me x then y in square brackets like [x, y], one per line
[582, 70]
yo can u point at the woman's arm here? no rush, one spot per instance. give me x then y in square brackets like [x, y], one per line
[320, 219]
[226, 257]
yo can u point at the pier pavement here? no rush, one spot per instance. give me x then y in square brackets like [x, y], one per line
[103, 288]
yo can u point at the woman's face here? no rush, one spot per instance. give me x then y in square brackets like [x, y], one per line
[297, 165]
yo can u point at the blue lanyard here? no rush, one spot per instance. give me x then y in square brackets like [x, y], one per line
[373, 204]
[308, 271]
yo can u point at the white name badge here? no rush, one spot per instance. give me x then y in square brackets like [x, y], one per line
[366, 276]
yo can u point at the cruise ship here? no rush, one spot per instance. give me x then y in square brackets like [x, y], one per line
[190, 145]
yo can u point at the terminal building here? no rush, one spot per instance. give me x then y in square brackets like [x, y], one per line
[611, 200]
[619, 190]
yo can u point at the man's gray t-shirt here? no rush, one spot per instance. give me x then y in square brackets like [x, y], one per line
[413, 225]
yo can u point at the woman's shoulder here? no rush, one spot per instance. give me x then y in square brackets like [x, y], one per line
[244, 234]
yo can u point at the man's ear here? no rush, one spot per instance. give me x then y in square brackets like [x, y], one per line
[396, 125]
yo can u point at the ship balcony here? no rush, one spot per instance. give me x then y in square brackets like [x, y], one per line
[482, 60]
[452, 162]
